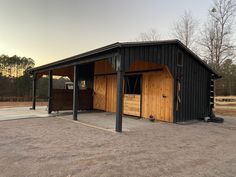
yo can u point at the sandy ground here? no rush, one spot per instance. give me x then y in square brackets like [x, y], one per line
[54, 147]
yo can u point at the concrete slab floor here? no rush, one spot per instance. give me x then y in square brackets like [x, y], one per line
[23, 113]
[95, 119]
[107, 120]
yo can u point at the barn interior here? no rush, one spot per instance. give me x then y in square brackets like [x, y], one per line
[147, 89]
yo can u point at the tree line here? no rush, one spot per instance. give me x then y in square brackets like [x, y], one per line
[20, 88]
[212, 40]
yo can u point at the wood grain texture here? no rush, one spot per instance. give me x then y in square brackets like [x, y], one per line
[157, 95]
[103, 67]
[111, 87]
[99, 99]
[132, 104]
[157, 91]
[105, 87]
[140, 65]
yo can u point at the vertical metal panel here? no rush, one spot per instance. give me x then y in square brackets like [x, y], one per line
[195, 95]
[183, 114]
[155, 53]
[170, 53]
[174, 70]
[168, 57]
[151, 54]
[187, 87]
[194, 90]
[131, 54]
[127, 62]
[137, 52]
[162, 55]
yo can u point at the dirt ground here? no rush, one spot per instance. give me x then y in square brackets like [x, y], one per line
[20, 104]
[54, 147]
[6, 104]
[227, 112]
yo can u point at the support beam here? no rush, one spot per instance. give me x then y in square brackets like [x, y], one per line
[119, 98]
[50, 82]
[75, 93]
[34, 92]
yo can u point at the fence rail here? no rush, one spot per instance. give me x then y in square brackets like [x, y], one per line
[18, 99]
[225, 102]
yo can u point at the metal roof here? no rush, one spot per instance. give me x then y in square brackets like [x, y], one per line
[120, 45]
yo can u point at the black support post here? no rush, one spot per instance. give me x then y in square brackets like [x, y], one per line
[75, 93]
[50, 92]
[119, 98]
[34, 93]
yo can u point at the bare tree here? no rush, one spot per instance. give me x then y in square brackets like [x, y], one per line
[185, 29]
[151, 35]
[217, 35]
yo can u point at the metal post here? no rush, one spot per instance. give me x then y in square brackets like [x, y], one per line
[50, 82]
[34, 92]
[75, 93]
[119, 98]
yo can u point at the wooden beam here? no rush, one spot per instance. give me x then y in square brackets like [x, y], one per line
[75, 93]
[50, 82]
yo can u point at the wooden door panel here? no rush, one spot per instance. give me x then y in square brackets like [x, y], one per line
[111, 88]
[157, 95]
[99, 101]
[131, 104]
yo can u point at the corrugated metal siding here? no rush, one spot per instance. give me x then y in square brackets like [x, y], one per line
[194, 89]
[194, 77]
[162, 54]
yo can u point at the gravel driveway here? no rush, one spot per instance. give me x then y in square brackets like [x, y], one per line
[44, 147]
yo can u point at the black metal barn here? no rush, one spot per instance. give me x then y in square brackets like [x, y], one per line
[193, 79]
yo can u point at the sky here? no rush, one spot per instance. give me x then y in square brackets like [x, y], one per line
[50, 30]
